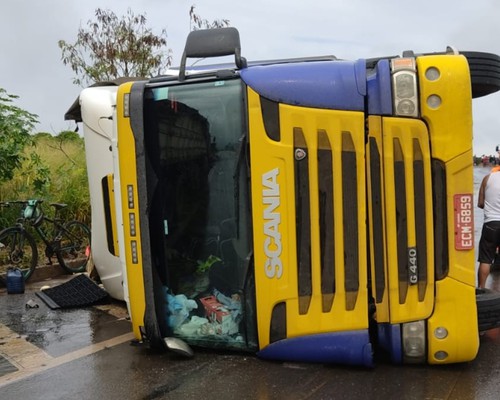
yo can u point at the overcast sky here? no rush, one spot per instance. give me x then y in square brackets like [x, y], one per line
[31, 67]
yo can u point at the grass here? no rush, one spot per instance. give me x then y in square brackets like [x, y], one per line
[55, 171]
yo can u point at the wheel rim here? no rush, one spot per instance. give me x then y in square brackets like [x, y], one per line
[74, 250]
[16, 252]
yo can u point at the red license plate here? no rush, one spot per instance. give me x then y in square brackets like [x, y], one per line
[464, 221]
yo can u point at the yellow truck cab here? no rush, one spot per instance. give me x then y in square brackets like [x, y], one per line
[316, 210]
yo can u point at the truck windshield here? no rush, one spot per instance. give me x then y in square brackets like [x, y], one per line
[195, 137]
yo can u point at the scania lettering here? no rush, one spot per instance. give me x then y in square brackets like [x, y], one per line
[272, 220]
[310, 210]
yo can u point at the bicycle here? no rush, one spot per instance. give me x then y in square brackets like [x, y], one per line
[68, 241]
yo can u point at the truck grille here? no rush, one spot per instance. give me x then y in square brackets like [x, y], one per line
[401, 219]
[323, 182]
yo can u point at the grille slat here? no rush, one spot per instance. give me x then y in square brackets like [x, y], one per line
[326, 226]
[303, 223]
[377, 220]
[401, 220]
[441, 256]
[420, 217]
[350, 221]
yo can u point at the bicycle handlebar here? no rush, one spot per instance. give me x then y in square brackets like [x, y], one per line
[31, 212]
[9, 203]
[22, 202]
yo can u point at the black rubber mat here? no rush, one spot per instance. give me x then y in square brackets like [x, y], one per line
[81, 291]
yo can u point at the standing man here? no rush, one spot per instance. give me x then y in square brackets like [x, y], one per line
[489, 201]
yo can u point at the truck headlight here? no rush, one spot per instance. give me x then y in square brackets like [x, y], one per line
[414, 342]
[404, 87]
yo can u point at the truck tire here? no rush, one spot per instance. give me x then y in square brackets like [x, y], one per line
[484, 72]
[488, 309]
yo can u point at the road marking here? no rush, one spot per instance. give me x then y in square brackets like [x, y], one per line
[31, 360]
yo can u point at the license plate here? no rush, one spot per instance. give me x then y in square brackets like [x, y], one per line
[464, 221]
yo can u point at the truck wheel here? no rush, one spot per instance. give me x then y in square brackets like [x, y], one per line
[484, 72]
[488, 309]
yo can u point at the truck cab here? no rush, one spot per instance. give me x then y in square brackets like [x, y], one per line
[315, 210]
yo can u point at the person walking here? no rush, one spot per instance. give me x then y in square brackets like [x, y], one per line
[489, 201]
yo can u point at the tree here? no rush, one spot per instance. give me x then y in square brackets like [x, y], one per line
[16, 125]
[196, 22]
[113, 47]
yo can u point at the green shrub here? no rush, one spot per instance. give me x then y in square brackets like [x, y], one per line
[54, 170]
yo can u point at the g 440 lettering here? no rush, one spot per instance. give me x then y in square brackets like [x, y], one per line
[412, 266]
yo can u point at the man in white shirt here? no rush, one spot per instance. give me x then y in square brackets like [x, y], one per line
[489, 201]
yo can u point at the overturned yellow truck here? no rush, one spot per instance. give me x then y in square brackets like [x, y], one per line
[316, 209]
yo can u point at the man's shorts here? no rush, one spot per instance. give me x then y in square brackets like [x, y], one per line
[490, 240]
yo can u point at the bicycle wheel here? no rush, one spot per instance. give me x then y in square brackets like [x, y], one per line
[17, 250]
[73, 250]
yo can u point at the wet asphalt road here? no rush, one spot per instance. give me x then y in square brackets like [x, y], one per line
[87, 354]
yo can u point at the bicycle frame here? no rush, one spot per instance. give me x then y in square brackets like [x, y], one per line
[51, 242]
